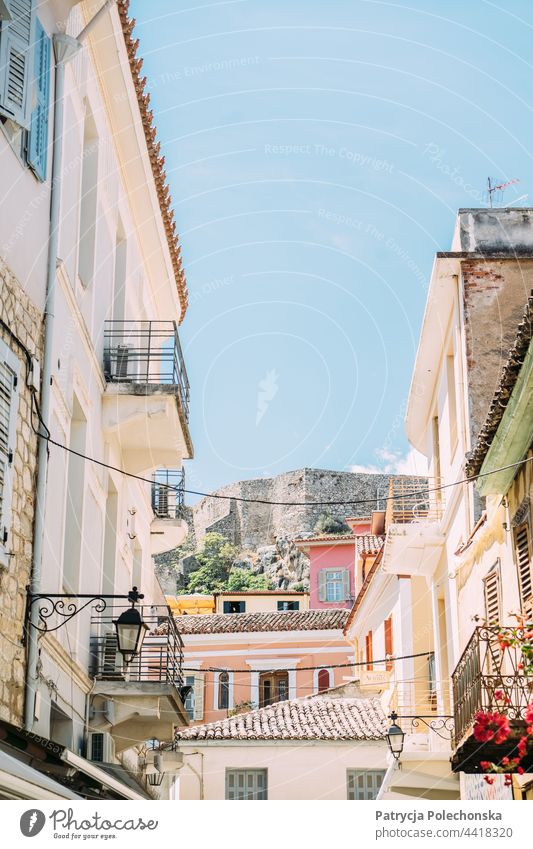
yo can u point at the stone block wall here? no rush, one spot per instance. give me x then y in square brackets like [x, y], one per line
[251, 525]
[25, 322]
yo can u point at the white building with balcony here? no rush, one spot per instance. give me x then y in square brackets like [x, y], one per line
[88, 234]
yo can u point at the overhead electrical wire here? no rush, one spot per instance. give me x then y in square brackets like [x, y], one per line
[422, 492]
[311, 668]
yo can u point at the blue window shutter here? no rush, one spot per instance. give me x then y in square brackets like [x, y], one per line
[226, 607]
[38, 136]
[16, 39]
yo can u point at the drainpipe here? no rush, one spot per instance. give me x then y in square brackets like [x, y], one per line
[65, 48]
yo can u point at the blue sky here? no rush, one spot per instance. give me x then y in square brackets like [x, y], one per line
[317, 153]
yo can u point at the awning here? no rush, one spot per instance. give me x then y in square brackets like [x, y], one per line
[18, 780]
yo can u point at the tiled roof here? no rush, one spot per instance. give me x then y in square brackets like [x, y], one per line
[369, 543]
[326, 538]
[315, 718]
[232, 623]
[154, 147]
[507, 383]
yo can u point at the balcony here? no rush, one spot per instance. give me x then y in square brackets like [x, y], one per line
[483, 669]
[143, 699]
[414, 541]
[146, 402]
[168, 528]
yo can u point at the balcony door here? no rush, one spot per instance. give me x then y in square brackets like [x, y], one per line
[273, 687]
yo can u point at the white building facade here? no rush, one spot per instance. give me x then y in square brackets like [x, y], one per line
[89, 247]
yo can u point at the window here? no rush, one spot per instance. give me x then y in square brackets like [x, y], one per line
[369, 658]
[522, 547]
[16, 38]
[333, 585]
[492, 593]
[389, 646]
[223, 691]
[88, 202]
[37, 141]
[9, 367]
[364, 783]
[452, 401]
[273, 687]
[288, 605]
[246, 784]
[189, 700]
[432, 681]
[323, 680]
[234, 607]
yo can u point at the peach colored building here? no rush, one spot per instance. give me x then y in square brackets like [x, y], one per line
[243, 660]
[327, 746]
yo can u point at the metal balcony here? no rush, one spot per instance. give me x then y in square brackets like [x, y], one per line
[143, 699]
[161, 655]
[484, 669]
[414, 540]
[146, 352]
[168, 493]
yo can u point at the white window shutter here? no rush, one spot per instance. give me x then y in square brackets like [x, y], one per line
[37, 150]
[8, 408]
[492, 597]
[322, 585]
[345, 585]
[522, 542]
[16, 40]
[198, 712]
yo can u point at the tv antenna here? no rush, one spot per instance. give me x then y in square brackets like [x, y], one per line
[497, 188]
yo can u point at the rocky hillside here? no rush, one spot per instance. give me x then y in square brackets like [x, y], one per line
[263, 533]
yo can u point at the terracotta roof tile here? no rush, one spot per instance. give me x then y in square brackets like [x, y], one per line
[369, 543]
[310, 718]
[293, 620]
[154, 147]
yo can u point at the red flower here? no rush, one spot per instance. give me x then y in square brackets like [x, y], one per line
[520, 770]
[491, 727]
[508, 780]
[488, 779]
[505, 761]
[522, 746]
[485, 765]
[529, 714]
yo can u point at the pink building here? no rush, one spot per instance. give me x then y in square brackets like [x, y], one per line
[333, 559]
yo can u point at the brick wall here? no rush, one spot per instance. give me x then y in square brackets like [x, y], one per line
[495, 292]
[25, 322]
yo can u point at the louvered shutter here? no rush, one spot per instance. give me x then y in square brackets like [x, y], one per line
[491, 586]
[346, 585]
[7, 437]
[16, 37]
[522, 542]
[38, 136]
[198, 712]
[322, 585]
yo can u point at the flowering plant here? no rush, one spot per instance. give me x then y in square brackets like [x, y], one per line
[493, 726]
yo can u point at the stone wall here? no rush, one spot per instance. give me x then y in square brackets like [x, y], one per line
[251, 525]
[25, 322]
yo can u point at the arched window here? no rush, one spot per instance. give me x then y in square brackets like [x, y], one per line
[223, 691]
[323, 680]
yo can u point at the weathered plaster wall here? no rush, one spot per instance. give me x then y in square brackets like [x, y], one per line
[25, 322]
[494, 293]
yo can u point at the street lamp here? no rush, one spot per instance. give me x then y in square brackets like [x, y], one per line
[395, 737]
[130, 628]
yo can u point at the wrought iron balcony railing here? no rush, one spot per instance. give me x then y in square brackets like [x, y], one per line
[414, 499]
[168, 490]
[161, 656]
[146, 352]
[484, 668]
